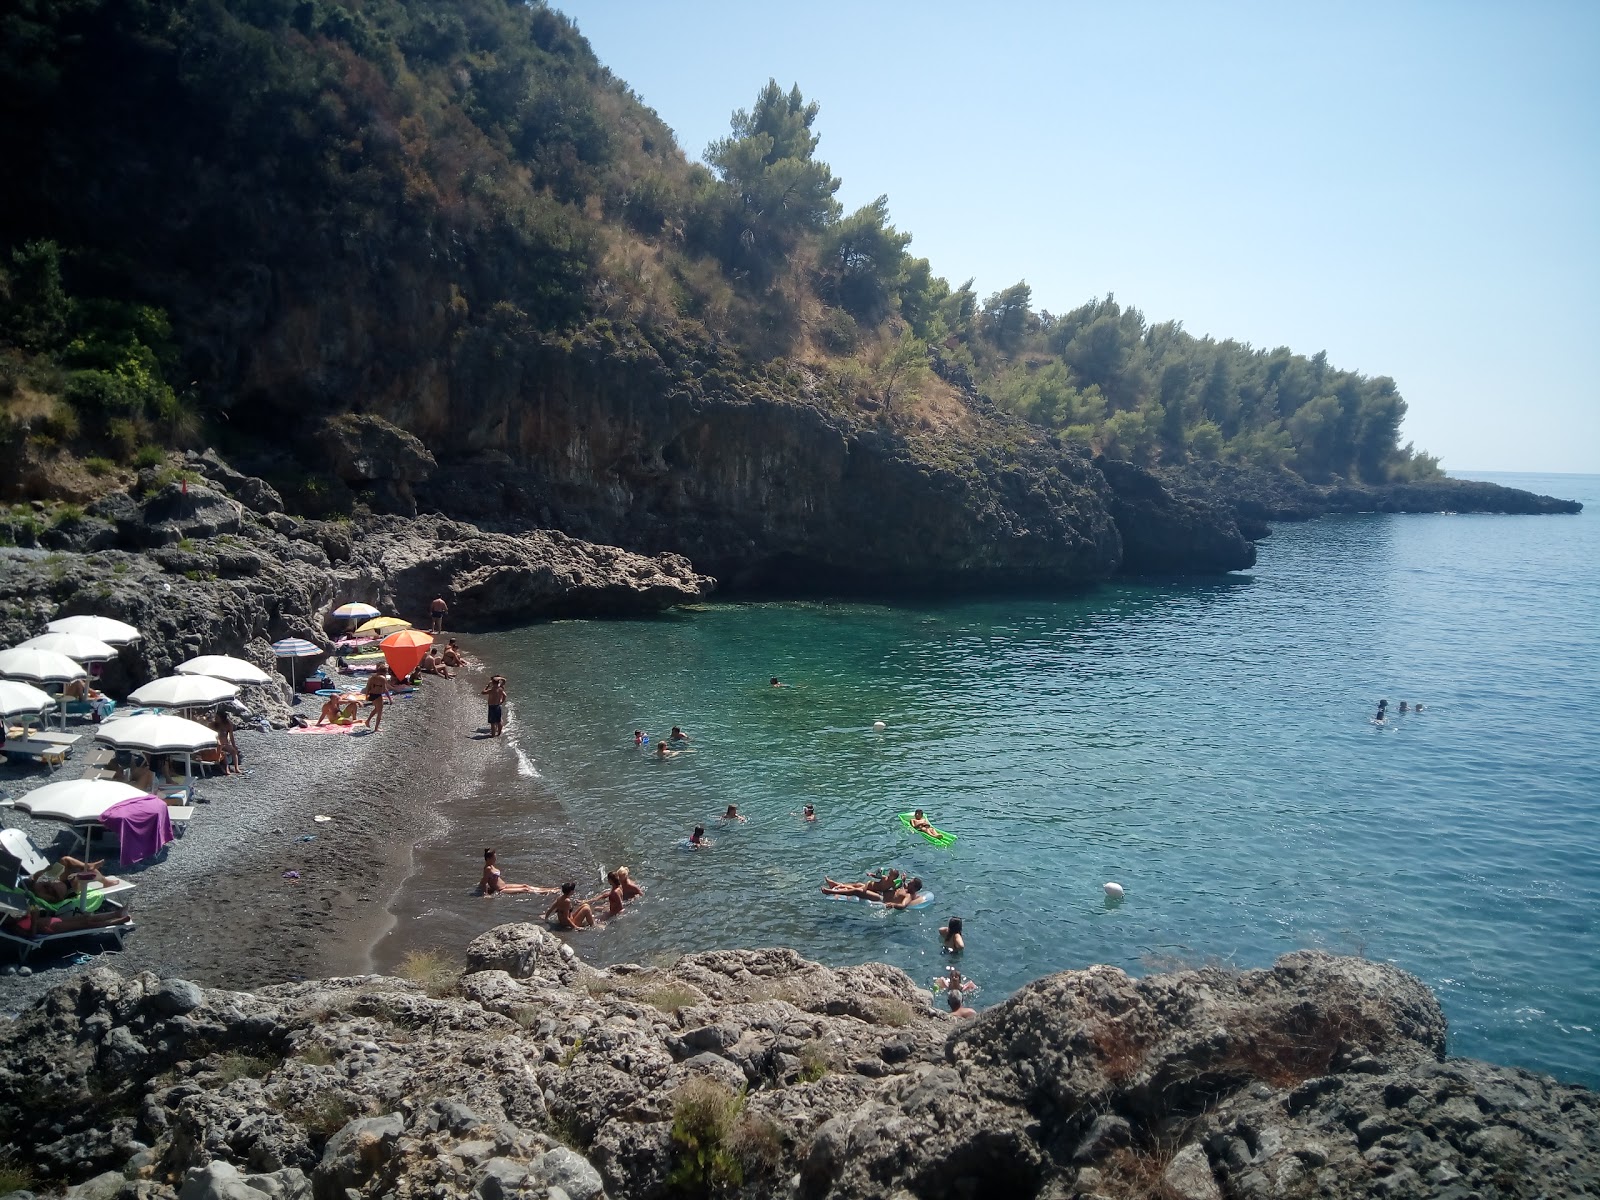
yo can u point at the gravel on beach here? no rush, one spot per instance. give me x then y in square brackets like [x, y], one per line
[220, 906]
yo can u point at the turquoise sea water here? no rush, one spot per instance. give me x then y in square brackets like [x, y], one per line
[1207, 744]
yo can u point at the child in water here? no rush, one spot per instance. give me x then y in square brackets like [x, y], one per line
[698, 838]
[732, 814]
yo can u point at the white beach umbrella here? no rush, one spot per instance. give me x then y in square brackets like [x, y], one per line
[356, 611]
[184, 691]
[39, 666]
[19, 699]
[222, 666]
[76, 800]
[74, 645]
[156, 733]
[106, 629]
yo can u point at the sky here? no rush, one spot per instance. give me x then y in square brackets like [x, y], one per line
[1412, 187]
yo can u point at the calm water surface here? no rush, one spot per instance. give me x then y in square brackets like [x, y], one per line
[1207, 744]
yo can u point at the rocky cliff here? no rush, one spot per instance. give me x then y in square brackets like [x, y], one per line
[757, 1073]
[218, 567]
[767, 478]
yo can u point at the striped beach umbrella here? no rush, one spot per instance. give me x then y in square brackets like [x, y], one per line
[355, 611]
[295, 649]
[383, 624]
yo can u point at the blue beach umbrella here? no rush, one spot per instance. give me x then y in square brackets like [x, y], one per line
[295, 648]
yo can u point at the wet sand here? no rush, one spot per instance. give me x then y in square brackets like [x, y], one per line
[217, 907]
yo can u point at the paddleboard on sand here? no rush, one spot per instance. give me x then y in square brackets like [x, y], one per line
[942, 839]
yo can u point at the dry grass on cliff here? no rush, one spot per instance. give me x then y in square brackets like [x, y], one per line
[435, 971]
[1120, 1047]
[1287, 1048]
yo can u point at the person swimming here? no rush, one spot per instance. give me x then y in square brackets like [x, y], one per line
[568, 915]
[698, 838]
[663, 752]
[958, 1005]
[640, 737]
[1417, 707]
[950, 935]
[1383, 711]
[876, 886]
[732, 814]
[678, 735]
[809, 813]
[1402, 707]
[612, 896]
[775, 682]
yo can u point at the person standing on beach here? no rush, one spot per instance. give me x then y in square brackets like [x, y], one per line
[437, 611]
[377, 693]
[496, 693]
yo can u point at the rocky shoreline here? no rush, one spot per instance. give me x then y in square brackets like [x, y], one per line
[756, 1073]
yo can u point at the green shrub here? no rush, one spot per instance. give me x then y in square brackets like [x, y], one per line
[123, 435]
[62, 423]
[704, 1114]
[66, 515]
[435, 971]
[99, 467]
[890, 1011]
[149, 456]
[814, 1062]
[671, 997]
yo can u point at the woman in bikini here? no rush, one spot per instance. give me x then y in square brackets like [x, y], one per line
[567, 914]
[630, 889]
[492, 884]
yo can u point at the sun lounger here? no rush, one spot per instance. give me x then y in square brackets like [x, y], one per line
[21, 860]
[50, 754]
[27, 943]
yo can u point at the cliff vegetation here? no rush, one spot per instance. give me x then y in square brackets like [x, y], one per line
[229, 211]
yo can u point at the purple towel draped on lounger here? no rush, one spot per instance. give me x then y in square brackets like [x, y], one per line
[142, 824]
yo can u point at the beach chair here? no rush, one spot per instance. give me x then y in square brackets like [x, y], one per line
[28, 942]
[51, 754]
[21, 860]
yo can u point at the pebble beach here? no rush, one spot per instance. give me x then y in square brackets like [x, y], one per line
[256, 890]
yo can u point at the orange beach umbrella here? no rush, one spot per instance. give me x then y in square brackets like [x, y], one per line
[405, 650]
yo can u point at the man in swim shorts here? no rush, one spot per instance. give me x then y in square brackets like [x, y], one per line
[437, 611]
[496, 693]
[569, 915]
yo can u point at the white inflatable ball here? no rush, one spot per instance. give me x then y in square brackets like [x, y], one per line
[879, 726]
[1114, 890]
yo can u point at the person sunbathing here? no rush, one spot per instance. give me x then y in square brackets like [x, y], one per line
[453, 656]
[68, 877]
[875, 887]
[339, 710]
[433, 666]
[492, 884]
[922, 825]
[568, 915]
[904, 897]
[39, 924]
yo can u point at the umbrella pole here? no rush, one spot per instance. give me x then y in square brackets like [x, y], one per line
[188, 777]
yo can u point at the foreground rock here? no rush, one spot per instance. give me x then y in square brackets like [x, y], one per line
[758, 1073]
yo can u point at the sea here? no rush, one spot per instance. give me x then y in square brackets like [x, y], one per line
[1207, 743]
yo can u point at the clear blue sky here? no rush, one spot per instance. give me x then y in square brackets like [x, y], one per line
[1414, 188]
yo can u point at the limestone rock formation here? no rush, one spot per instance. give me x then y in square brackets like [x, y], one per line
[756, 1073]
[201, 572]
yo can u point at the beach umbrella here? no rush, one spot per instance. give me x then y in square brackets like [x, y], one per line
[184, 691]
[20, 699]
[380, 624]
[355, 611]
[295, 649]
[106, 629]
[74, 645]
[159, 733]
[39, 666]
[405, 650]
[222, 666]
[76, 800]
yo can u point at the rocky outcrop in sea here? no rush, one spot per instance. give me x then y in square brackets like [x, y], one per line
[756, 1073]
